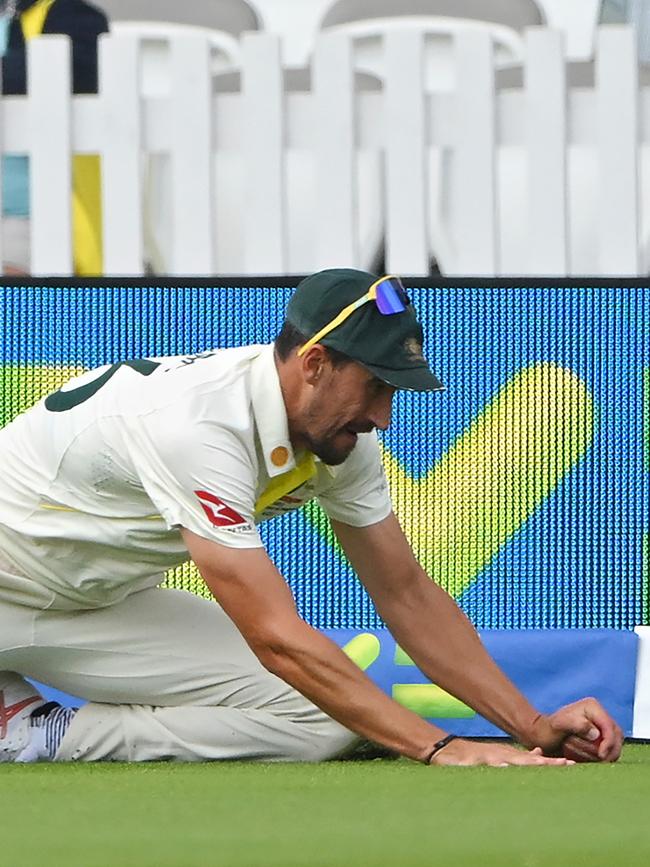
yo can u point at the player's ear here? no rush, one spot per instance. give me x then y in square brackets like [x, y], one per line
[314, 362]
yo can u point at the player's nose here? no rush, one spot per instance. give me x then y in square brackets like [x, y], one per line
[382, 411]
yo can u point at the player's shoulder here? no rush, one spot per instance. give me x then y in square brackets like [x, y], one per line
[220, 367]
[222, 372]
[207, 384]
[191, 404]
[207, 388]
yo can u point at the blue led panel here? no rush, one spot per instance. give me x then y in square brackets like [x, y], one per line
[524, 487]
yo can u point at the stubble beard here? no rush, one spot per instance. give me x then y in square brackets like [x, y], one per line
[322, 442]
[325, 449]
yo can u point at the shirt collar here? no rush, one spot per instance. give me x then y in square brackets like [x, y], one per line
[270, 414]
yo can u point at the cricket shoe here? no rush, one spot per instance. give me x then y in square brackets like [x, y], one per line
[18, 700]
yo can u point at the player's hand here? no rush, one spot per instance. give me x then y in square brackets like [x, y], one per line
[585, 729]
[466, 753]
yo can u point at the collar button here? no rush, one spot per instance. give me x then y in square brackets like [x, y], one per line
[279, 456]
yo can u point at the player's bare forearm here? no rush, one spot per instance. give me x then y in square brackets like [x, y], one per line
[440, 639]
[428, 624]
[317, 668]
[432, 629]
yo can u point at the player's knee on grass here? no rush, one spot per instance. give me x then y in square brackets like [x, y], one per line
[328, 740]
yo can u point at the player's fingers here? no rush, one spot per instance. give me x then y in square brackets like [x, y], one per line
[589, 721]
[509, 756]
[610, 734]
[578, 748]
[613, 752]
[530, 758]
[497, 756]
[586, 717]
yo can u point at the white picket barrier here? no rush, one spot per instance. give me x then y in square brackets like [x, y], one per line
[544, 177]
[52, 137]
[121, 157]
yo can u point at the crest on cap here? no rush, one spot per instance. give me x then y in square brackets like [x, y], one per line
[413, 349]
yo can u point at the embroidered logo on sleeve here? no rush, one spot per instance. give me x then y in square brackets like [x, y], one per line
[219, 513]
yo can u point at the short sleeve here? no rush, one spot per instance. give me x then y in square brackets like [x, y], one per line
[200, 476]
[359, 494]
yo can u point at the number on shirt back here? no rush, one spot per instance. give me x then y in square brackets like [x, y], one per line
[61, 401]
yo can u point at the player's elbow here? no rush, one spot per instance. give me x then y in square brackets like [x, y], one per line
[276, 646]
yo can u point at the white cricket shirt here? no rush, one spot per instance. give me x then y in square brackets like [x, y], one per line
[97, 479]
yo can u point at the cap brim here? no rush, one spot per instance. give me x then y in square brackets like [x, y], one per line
[409, 378]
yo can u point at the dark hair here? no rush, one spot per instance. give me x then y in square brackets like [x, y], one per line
[290, 338]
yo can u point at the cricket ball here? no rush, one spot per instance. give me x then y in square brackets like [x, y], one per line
[580, 750]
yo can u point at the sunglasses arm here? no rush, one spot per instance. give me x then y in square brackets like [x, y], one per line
[342, 316]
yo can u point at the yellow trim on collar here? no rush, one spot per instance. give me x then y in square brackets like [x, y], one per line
[283, 484]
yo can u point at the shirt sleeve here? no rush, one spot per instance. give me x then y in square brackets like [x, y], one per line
[359, 494]
[200, 476]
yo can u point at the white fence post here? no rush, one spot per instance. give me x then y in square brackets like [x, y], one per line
[474, 208]
[582, 141]
[617, 94]
[335, 153]
[546, 144]
[263, 126]
[191, 162]
[119, 85]
[406, 178]
[50, 181]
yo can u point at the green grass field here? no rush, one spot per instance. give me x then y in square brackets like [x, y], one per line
[363, 814]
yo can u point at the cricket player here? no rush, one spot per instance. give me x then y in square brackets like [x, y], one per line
[132, 468]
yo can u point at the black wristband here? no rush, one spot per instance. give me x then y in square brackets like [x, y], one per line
[439, 746]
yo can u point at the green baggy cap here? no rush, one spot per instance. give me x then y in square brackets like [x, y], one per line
[390, 346]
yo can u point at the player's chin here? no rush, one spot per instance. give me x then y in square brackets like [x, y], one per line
[349, 440]
[336, 449]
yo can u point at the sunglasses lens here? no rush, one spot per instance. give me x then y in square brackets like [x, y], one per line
[391, 297]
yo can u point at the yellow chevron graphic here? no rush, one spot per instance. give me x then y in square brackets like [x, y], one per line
[22, 385]
[499, 470]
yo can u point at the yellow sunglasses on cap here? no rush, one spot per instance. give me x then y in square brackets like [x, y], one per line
[389, 295]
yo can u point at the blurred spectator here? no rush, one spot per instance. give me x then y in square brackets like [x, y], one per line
[82, 22]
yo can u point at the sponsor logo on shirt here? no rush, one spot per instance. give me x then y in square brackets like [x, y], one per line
[240, 528]
[198, 356]
[219, 513]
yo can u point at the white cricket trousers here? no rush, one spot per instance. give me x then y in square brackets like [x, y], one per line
[167, 676]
